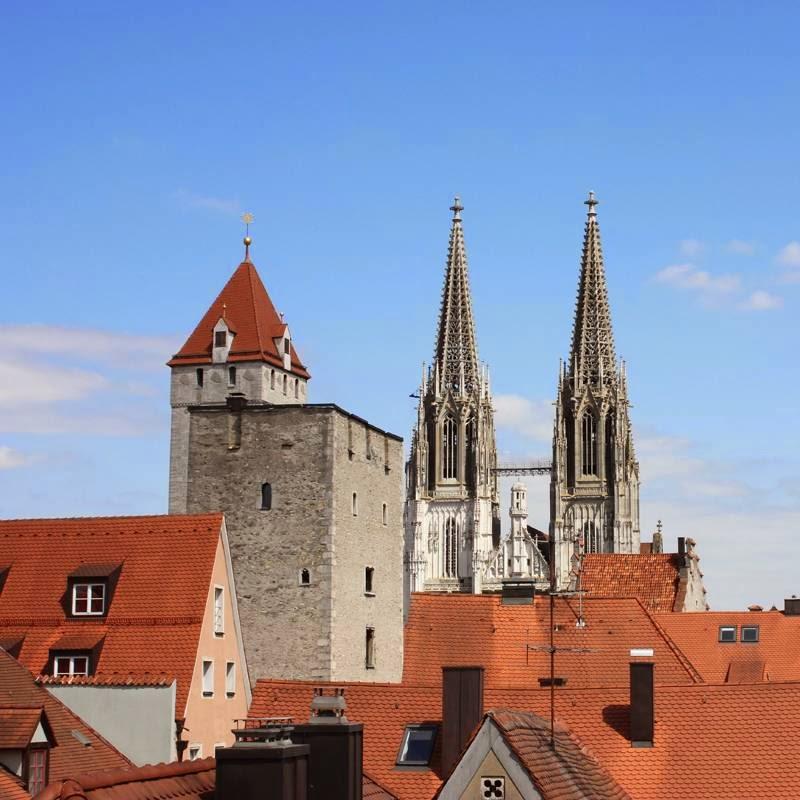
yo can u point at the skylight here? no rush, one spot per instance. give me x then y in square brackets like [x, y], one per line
[417, 746]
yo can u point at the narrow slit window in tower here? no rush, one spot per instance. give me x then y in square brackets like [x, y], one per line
[231, 376]
[266, 496]
[450, 548]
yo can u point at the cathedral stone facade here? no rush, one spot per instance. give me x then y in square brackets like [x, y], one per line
[312, 495]
[594, 488]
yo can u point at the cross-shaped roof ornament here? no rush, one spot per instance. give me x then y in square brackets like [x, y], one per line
[591, 202]
[248, 220]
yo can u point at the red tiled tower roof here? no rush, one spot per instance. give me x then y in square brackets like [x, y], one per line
[250, 315]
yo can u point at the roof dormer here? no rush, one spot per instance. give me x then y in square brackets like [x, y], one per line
[223, 339]
[283, 344]
[25, 742]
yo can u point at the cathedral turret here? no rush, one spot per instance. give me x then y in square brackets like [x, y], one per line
[594, 489]
[452, 513]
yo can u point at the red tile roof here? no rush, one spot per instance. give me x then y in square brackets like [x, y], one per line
[17, 687]
[478, 630]
[776, 653]
[152, 628]
[11, 787]
[249, 313]
[652, 578]
[711, 741]
[185, 780]
[567, 772]
[17, 726]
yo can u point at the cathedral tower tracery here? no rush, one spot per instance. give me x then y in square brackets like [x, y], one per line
[594, 486]
[452, 522]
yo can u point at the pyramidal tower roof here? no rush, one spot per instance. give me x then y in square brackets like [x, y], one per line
[456, 352]
[247, 309]
[592, 353]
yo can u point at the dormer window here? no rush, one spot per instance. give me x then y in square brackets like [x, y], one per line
[71, 664]
[220, 338]
[88, 599]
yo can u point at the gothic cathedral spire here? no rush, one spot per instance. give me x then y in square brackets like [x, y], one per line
[452, 513]
[594, 486]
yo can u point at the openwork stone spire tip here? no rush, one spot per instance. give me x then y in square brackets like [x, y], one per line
[592, 202]
[456, 356]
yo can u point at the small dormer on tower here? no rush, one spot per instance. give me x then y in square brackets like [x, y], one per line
[240, 347]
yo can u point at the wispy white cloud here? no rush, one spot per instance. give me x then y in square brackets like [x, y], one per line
[63, 380]
[691, 248]
[740, 248]
[532, 419]
[687, 276]
[11, 458]
[187, 199]
[762, 301]
[130, 350]
[789, 259]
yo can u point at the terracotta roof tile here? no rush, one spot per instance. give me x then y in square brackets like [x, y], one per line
[653, 578]
[11, 787]
[777, 648]
[371, 790]
[17, 687]
[249, 312]
[568, 772]
[153, 624]
[17, 726]
[478, 630]
[711, 741]
[185, 780]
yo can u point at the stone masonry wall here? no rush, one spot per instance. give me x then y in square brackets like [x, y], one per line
[291, 630]
[286, 626]
[369, 463]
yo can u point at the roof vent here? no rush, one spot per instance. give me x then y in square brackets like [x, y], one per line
[791, 606]
[328, 709]
[82, 738]
[754, 608]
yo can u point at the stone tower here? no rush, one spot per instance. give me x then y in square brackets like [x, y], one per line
[240, 346]
[312, 496]
[594, 487]
[452, 523]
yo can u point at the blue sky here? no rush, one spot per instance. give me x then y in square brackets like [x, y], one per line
[134, 139]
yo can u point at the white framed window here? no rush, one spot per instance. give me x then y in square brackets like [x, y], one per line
[727, 633]
[416, 747]
[749, 633]
[219, 611]
[88, 599]
[208, 677]
[230, 678]
[195, 751]
[71, 665]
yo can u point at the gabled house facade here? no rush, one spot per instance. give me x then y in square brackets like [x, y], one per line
[132, 622]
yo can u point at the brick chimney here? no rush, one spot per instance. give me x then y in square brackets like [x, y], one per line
[641, 704]
[335, 763]
[263, 763]
[462, 710]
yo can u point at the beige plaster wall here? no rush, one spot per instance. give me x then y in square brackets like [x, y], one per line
[209, 720]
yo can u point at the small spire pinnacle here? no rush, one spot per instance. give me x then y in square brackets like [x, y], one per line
[457, 208]
[248, 220]
[592, 203]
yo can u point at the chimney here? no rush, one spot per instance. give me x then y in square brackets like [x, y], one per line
[681, 545]
[641, 709]
[518, 592]
[462, 710]
[791, 606]
[263, 763]
[335, 763]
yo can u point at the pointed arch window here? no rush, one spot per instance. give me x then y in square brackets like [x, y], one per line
[591, 538]
[469, 441]
[450, 551]
[588, 444]
[449, 448]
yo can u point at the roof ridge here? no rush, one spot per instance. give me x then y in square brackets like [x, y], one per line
[114, 517]
[251, 269]
[680, 655]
